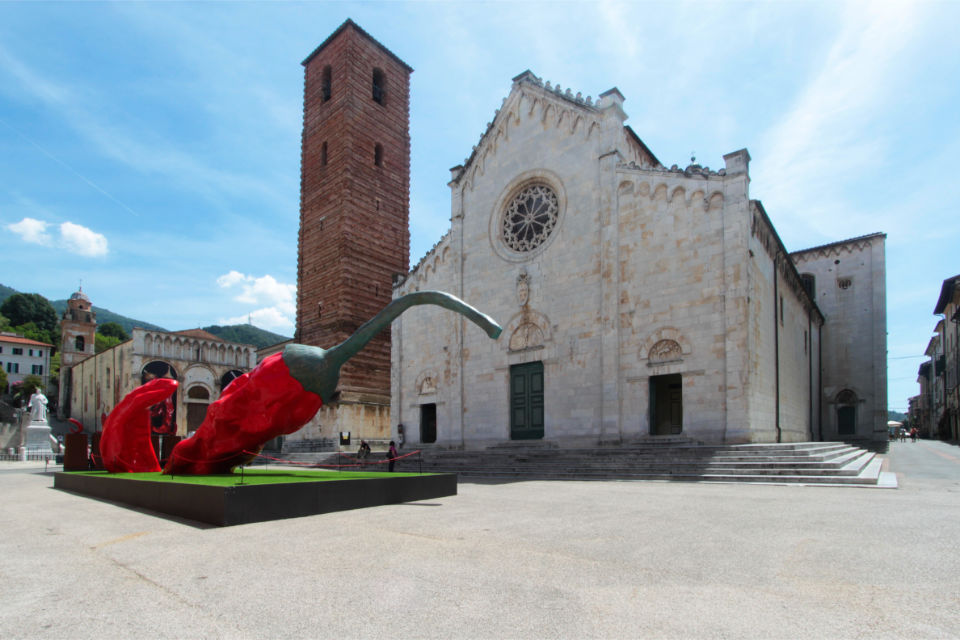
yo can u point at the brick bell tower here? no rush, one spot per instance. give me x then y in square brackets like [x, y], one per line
[354, 212]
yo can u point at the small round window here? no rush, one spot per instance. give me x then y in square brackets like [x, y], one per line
[529, 217]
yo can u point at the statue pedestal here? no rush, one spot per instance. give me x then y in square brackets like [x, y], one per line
[36, 438]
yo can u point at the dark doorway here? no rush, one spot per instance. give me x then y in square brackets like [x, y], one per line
[428, 423]
[846, 421]
[666, 405]
[846, 413]
[526, 401]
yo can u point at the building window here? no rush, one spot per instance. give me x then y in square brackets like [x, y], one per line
[809, 284]
[529, 217]
[17, 351]
[78, 343]
[379, 87]
[326, 84]
[323, 154]
[36, 369]
[13, 367]
[378, 155]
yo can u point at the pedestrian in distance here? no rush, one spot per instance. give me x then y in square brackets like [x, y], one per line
[392, 455]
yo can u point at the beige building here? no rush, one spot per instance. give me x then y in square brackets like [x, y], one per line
[947, 364]
[638, 301]
[202, 363]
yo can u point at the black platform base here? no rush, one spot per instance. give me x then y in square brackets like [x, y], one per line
[225, 506]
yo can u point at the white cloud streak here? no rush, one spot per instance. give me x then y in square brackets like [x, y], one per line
[828, 138]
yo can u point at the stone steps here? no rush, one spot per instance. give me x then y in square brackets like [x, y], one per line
[807, 463]
[817, 463]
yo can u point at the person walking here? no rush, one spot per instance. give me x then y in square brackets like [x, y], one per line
[392, 455]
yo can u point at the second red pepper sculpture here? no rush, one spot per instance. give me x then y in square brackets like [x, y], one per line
[284, 392]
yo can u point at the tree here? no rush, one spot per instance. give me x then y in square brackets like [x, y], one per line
[21, 308]
[101, 342]
[55, 371]
[3, 381]
[25, 389]
[113, 330]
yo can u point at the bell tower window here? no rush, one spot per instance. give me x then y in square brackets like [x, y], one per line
[326, 83]
[379, 86]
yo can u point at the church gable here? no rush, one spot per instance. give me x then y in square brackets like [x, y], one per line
[533, 107]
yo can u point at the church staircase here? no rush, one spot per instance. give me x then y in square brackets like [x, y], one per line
[831, 463]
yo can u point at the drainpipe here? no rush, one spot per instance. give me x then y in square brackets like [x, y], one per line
[820, 381]
[776, 341]
[810, 370]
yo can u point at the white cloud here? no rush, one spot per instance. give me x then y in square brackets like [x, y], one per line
[269, 318]
[32, 231]
[74, 238]
[228, 280]
[82, 241]
[279, 300]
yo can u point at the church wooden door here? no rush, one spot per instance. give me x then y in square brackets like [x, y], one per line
[526, 401]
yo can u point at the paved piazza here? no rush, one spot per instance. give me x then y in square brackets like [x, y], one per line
[517, 560]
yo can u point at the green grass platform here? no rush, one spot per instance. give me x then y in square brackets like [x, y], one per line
[258, 494]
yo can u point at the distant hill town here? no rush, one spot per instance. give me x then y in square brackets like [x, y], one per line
[243, 333]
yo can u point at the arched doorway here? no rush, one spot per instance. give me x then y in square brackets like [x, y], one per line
[197, 401]
[846, 413]
[229, 377]
[163, 415]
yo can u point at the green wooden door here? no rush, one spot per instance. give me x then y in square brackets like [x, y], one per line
[526, 401]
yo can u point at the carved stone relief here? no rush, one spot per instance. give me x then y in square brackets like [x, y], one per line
[526, 336]
[665, 351]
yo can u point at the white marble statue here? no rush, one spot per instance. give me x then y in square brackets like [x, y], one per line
[38, 407]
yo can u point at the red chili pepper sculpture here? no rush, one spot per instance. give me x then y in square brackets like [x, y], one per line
[125, 442]
[285, 391]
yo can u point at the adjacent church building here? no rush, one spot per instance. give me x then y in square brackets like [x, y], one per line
[639, 301]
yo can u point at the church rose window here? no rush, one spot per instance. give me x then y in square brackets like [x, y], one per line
[530, 217]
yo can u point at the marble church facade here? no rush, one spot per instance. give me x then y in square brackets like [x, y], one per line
[638, 301]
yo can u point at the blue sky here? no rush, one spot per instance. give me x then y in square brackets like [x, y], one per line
[152, 149]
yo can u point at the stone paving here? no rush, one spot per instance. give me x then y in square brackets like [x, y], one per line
[537, 559]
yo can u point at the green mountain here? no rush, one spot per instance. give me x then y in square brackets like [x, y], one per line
[105, 315]
[243, 333]
[246, 334]
[6, 292]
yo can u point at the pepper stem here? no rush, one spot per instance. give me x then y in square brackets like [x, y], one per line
[318, 370]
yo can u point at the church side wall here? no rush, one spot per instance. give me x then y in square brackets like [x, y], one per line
[850, 282]
[672, 299]
[780, 353]
[425, 355]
